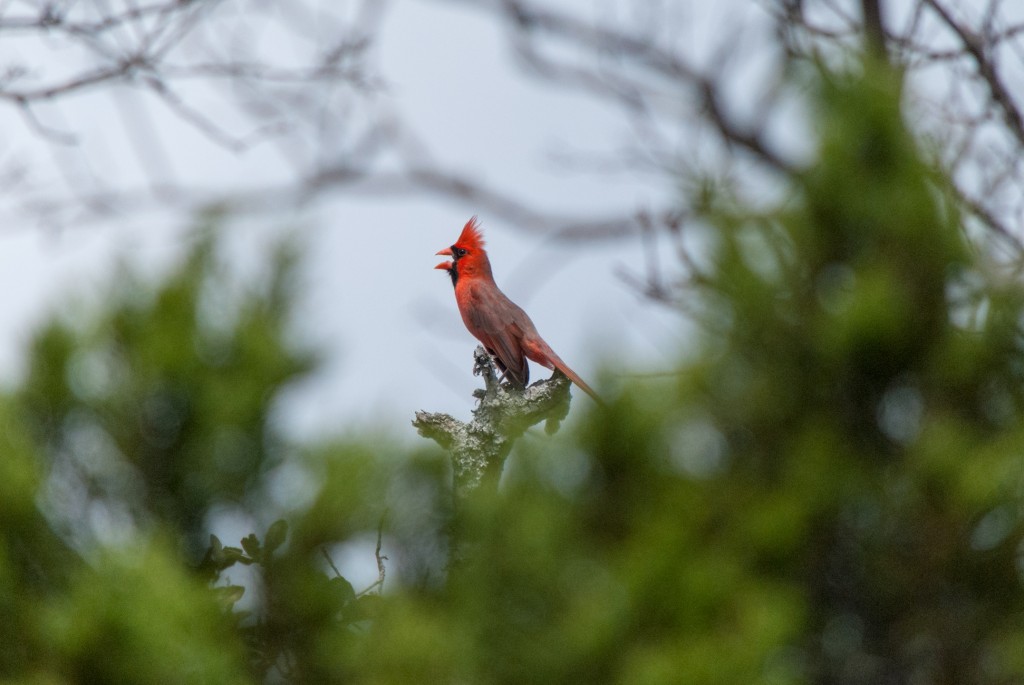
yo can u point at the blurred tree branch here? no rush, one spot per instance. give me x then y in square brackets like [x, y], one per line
[204, 64]
[973, 54]
[721, 111]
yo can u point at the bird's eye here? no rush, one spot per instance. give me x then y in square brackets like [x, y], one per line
[459, 252]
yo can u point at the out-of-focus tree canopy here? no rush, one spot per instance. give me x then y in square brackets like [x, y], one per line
[827, 490]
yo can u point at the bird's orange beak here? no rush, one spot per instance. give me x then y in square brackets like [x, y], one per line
[447, 266]
[446, 252]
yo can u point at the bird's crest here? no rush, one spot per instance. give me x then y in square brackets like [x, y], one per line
[471, 237]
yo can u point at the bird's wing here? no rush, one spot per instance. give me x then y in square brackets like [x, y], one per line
[492, 318]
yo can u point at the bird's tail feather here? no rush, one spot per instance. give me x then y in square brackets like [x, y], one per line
[574, 377]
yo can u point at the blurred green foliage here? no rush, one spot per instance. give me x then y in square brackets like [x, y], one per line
[156, 409]
[829, 492]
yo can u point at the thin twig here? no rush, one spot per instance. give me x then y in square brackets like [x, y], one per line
[381, 568]
[986, 69]
[323, 550]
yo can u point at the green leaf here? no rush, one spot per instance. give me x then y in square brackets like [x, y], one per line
[216, 551]
[251, 545]
[276, 535]
[362, 608]
[233, 555]
[230, 594]
[343, 590]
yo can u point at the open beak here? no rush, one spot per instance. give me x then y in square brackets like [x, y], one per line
[447, 266]
[446, 252]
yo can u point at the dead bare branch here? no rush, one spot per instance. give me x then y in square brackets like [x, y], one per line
[479, 447]
[978, 49]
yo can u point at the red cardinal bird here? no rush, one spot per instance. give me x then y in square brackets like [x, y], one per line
[493, 319]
